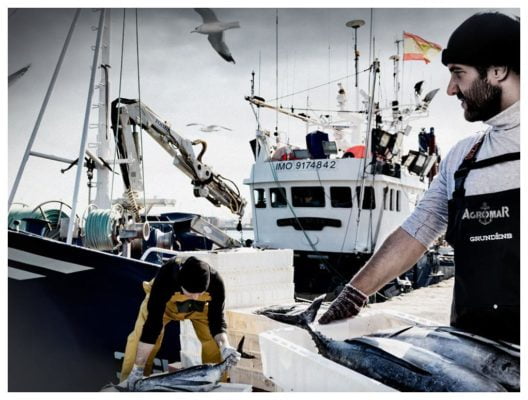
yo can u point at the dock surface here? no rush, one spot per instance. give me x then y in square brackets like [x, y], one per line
[432, 302]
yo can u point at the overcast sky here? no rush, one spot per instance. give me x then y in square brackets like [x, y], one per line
[184, 80]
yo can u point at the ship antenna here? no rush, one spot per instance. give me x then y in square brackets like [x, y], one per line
[252, 83]
[396, 63]
[355, 24]
[257, 113]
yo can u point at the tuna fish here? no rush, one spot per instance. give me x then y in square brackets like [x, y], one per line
[495, 360]
[200, 378]
[402, 366]
[399, 364]
[293, 315]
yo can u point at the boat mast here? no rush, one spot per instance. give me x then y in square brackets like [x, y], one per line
[28, 151]
[104, 139]
[82, 149]
[369, 159]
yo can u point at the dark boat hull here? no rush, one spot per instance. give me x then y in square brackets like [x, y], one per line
[70, 310]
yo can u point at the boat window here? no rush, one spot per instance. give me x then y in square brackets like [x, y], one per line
[260, 198]
[385, 197]
[391, 203]
[341, 196]
[398, 200]
[369, 197]
[308, 196]
[278, 197]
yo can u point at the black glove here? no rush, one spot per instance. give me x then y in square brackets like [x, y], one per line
[348, 304]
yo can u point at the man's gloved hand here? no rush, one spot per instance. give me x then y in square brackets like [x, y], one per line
[348, 304]
[135, 375]
[231, 353]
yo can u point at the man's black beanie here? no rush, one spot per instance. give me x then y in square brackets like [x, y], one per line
[485, 39]
[195, 275]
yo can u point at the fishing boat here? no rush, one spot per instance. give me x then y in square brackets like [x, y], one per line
[337, 196]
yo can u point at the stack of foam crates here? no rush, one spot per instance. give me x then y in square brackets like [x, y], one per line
[253, 279]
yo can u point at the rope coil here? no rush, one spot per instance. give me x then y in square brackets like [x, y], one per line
[100, 229]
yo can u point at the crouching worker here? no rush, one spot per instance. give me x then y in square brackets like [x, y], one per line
[190, 290]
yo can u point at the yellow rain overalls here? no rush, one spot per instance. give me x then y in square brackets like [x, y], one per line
[200, 321]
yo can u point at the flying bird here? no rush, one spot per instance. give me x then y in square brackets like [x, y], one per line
[214, 29]
[424, 103]
[209, 128]
[17, 75]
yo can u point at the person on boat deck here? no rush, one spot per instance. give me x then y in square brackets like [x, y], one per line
[475, 198]
[190, 290]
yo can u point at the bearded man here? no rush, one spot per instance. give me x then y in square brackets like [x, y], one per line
[475, 198]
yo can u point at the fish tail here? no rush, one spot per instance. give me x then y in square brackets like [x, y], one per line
[113, 388]
[308, 316]
[240, 349]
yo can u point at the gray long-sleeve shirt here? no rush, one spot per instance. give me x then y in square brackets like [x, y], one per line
[429, 220]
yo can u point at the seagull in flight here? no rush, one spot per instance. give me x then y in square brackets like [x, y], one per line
[209, 128]
[214, 29]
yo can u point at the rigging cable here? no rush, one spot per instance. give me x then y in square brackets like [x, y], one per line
[368, 150]
[371, 39]
[321, 85]
[277, 70]
[42, 109]
[141, 122]
[259, 74]
[119, 101]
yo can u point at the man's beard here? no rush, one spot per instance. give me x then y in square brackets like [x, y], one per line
[482, 99]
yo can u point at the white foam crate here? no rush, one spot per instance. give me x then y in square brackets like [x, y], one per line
[252, 277]
[245, 320]
[258, 295]
[255, 275]
[236, 260]
[291, 360]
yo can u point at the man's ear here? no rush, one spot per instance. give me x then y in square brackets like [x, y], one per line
[497, 74]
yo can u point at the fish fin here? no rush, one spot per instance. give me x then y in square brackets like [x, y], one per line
[374, 344]
[399, 332]
[240, 349]
[308, 316]
[500, 345]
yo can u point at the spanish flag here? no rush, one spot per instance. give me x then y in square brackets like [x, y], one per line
[417, 48]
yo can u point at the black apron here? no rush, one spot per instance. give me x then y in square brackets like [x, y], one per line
[484, 230]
